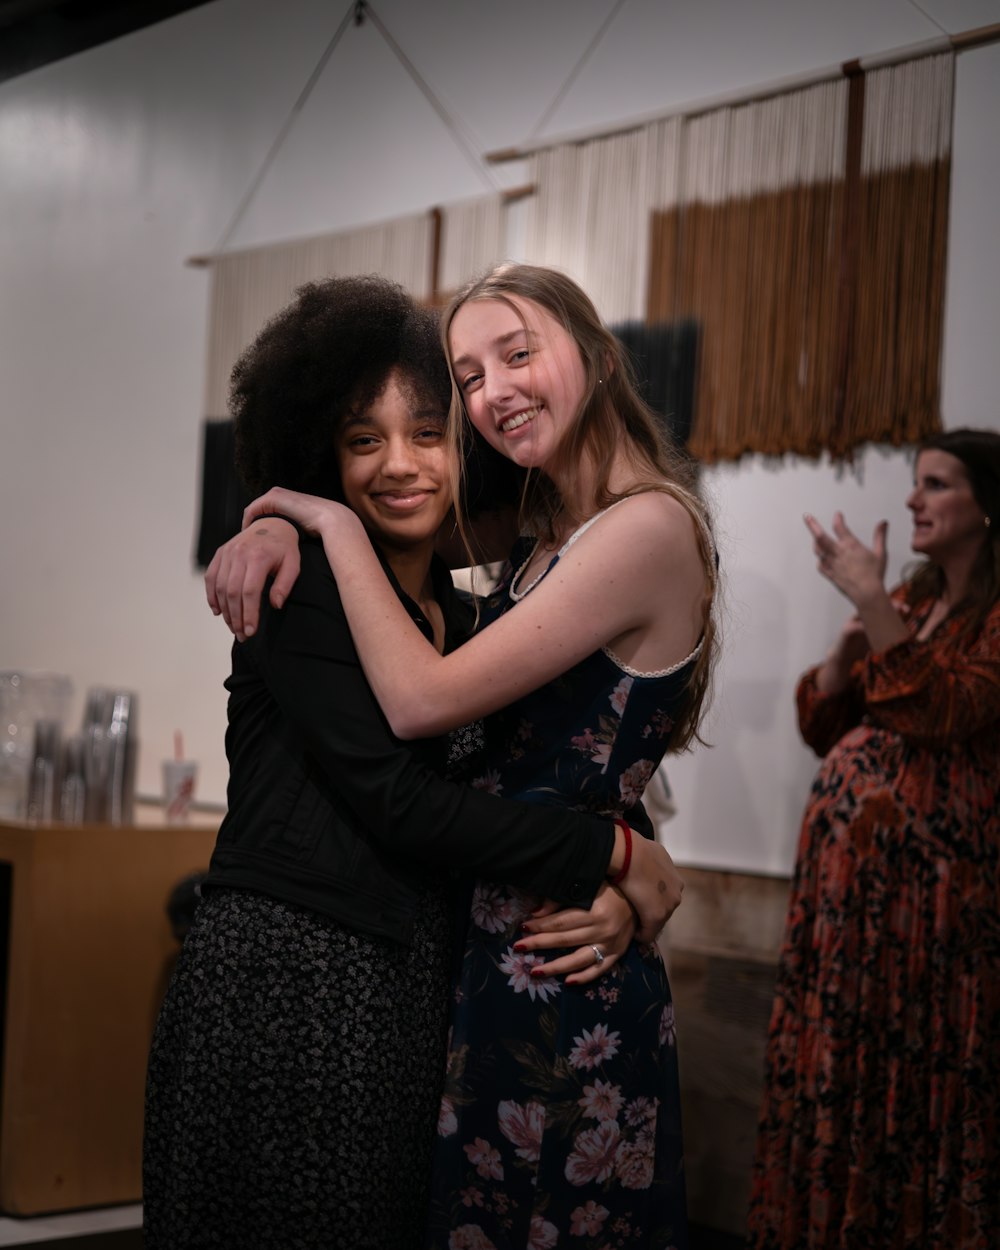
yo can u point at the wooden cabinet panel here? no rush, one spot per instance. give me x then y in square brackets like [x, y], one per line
[88, 953]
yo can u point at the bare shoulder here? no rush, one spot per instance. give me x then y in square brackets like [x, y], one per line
[653, 525]
[659, 508]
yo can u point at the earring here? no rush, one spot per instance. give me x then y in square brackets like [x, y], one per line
[988, 522]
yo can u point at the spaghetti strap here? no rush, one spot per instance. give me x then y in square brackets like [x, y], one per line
[582, 529]
[515, 594]
[712, 560]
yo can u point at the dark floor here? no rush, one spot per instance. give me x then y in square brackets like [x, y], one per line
[131, 1239]
[122, 1239]
[711, 1239]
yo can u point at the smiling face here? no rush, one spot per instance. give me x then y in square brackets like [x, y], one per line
[947, 520]
[520, 374]
[394, 466]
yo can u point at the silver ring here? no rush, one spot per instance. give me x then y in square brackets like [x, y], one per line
[598, 954]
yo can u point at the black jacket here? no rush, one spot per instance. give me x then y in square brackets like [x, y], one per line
[328, 810]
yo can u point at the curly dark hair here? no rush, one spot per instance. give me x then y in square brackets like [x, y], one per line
[328, 353]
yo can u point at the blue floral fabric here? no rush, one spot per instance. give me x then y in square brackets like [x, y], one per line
[560, 1120]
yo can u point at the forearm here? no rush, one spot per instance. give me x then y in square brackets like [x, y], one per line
[308, 662]
[583, 603]
[647, 876]
[825, 716]
[833, 676]
[400, 664]
[935, 694]
[882, 622]
[836, 673]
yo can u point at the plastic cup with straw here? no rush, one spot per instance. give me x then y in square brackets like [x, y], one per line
[179, 776]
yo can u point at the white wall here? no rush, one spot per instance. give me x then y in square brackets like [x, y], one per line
[119, 163]
[740, 803]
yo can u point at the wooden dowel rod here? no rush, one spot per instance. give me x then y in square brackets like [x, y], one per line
[976, 38]
[960, 42]
[437, 218]
[513, 194]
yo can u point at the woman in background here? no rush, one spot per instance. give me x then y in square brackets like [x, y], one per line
[561, 1111]
[881, 1119]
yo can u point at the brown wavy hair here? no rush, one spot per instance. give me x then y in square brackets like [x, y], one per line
[979, 453]
[612, 412]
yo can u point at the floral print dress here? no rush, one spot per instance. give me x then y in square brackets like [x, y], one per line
[880, 1127]
[560, 1121]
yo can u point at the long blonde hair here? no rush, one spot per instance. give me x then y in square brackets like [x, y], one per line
[612, 411]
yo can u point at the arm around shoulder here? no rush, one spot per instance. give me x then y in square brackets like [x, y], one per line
[638, 568]
[306, 657]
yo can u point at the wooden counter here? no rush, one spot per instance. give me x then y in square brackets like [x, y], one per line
[87, 955]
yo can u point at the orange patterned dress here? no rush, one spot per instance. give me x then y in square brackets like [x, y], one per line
[880, 1128]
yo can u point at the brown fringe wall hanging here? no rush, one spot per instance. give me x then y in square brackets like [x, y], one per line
[892, 377]
[808, 242]
[803, 232]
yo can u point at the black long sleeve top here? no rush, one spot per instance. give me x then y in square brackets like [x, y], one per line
[328, 810]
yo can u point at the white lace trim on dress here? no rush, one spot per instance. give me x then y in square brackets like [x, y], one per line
[657, 672]
[517, 595]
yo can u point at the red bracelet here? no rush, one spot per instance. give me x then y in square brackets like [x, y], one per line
[626, 829]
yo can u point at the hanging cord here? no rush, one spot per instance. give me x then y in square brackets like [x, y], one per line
[923, 13]
[588, 53]
[297, 107]
[464, 144]
[357, 11]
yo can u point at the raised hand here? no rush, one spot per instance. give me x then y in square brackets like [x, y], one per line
[857, 571]
[240, 568]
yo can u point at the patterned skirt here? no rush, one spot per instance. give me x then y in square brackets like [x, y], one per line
[294, 1082]
[880, 1127]
[560, 1119]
